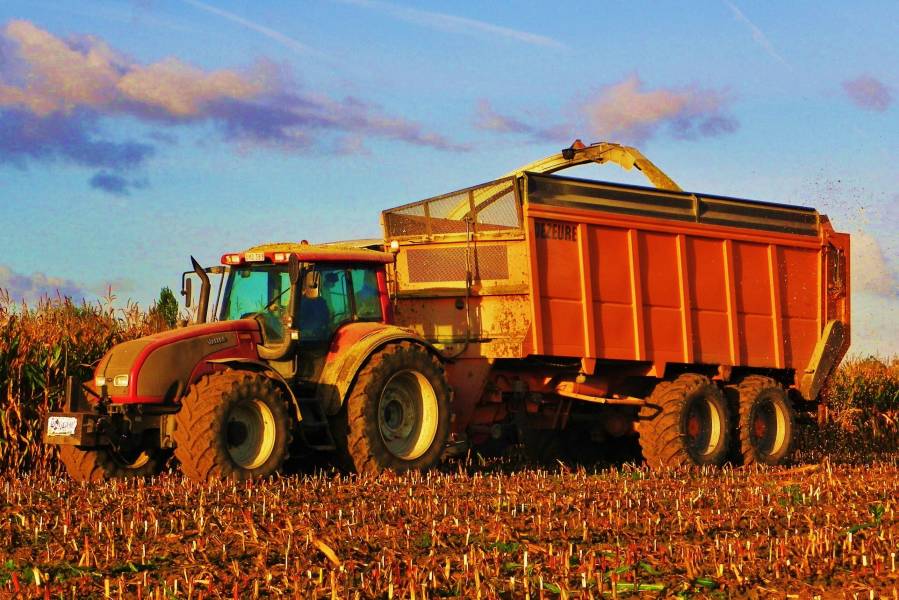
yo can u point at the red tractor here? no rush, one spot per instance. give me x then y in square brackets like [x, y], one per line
[299, 328]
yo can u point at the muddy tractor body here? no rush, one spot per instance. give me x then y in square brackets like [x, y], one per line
[554, 313]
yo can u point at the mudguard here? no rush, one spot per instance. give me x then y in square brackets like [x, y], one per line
[828, 353]
[350, 350]
[265, 369]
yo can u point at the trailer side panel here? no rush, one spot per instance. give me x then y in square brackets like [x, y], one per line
[614, 278]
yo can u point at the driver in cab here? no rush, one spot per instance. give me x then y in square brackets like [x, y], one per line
[315, 318]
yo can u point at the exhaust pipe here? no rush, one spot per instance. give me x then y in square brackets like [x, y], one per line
[203, 304]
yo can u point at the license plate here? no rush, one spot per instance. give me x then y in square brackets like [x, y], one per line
[254, 256]
[61, 426]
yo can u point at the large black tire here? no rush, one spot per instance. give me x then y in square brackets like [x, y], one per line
[766, 420]
[686, 422]
[397, 414]
[98, 464]
[232, 425]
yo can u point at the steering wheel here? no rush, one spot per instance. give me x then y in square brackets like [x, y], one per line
[271, 325]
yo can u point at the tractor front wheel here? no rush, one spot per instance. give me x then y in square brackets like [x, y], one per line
[398, 411]
[234, 425]
[685, 422]
[97, 464]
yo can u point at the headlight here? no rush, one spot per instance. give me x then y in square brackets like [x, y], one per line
[99, 381]
[120, 381]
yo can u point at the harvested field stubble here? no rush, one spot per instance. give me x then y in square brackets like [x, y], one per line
[815, 530]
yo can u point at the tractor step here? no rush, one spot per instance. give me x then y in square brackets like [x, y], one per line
[314, 430]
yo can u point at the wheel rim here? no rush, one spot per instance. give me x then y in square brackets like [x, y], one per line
[407, 415]
[704, 427]
[768, 427]
[250, 434]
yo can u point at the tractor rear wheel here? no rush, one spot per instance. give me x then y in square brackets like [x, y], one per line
[98, 464]
[766, 422]
[686, 422]
[232, 424]
[397, 414]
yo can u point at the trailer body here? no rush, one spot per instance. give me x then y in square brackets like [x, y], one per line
[560, 285]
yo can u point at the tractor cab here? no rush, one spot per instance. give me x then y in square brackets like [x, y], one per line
[329, 295]
[301, 295]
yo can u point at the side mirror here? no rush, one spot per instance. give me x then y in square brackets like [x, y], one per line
[293, 269]
[186, 290]
[311, 285]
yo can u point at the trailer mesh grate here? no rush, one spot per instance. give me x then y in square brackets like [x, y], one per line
[430, 265]
[492, 206]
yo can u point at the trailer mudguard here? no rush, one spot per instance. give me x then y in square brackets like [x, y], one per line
[828, 352]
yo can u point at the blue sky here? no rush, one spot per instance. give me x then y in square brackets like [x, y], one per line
[133, 134]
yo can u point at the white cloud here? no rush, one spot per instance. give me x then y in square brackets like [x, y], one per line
[182, 90]
[56, 96]
[627, 111]
[33, 287]
[54, 76]
[868, 93]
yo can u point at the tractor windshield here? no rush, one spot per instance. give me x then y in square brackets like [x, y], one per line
[258, 290]
[344, 293]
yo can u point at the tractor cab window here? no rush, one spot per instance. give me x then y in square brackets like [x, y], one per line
[344, 294]
[368, 298]
[259, 290]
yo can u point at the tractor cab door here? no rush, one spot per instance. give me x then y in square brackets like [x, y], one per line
[344, 294]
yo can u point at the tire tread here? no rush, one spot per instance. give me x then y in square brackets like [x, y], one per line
[659, 428]
[742, 398]
[362, 452]
[197, 425]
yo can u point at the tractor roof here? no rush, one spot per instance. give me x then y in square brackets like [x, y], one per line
[280, 253]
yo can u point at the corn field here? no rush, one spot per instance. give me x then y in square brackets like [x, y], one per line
[39, 347]
[865, 394]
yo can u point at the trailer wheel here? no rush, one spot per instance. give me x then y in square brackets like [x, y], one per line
[98, 464]
[398, 411]
[686, 422]
[766, 422]
[232, 424]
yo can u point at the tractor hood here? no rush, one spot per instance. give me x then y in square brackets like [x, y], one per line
[157, 368]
